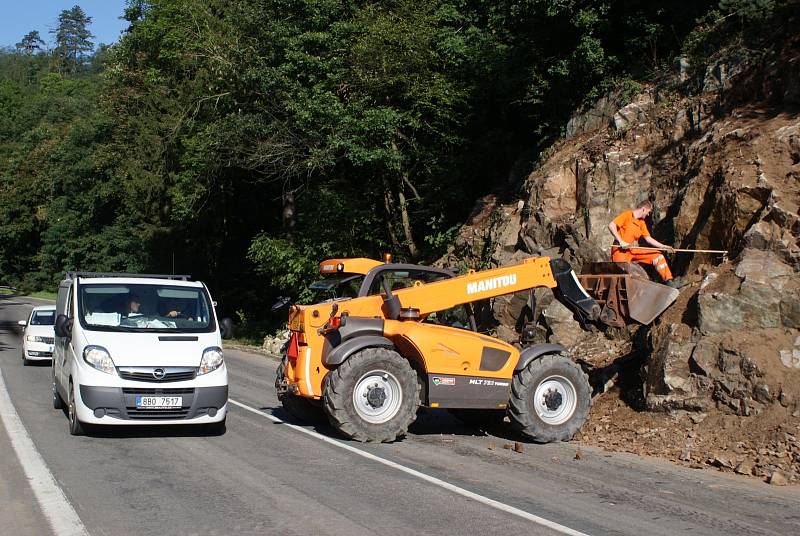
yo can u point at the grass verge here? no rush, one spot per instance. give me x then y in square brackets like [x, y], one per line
[43, 294]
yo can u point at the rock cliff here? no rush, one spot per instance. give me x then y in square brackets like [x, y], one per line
[722, 169]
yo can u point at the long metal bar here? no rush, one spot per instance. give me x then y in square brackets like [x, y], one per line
[650, 248]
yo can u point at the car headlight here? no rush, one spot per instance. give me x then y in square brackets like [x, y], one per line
[35, 338]
[99, 358]
[211, 360]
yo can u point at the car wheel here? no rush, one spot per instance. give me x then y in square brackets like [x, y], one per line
[75, 425]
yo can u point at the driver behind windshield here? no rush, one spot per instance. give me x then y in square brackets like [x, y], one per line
[172, 309]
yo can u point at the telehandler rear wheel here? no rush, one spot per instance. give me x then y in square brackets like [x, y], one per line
[299, 407]
[372, 396]
[550, 399]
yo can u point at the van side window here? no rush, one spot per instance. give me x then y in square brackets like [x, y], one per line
[69, 303]
[63, 301]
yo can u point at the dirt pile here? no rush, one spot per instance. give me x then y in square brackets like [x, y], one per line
[716, 380]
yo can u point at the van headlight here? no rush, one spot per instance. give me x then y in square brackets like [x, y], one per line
[99, 358]
[34, 338]
[211, 360]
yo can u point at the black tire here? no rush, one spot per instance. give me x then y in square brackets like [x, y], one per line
[550, 399]
[58, 403]
[301, 408]
[479, 418]
[217, 428]
[389, 386]
[76, 427]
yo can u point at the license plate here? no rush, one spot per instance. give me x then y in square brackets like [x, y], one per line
[159, 402]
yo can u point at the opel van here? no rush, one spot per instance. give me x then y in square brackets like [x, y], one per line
[134, 349]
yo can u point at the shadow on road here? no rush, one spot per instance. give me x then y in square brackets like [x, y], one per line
[145, 431]
[43, 363]
[429, 421]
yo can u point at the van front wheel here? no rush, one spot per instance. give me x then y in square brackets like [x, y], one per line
[57, 402]
[75, 426]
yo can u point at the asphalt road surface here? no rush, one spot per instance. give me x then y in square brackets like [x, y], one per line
[271, 475]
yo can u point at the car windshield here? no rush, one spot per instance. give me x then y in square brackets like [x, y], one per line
[43, 318]
[144, 308]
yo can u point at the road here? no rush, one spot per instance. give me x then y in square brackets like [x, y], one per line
[269, 476]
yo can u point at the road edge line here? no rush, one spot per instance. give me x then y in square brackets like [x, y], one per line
[418, 474]
[58, 511]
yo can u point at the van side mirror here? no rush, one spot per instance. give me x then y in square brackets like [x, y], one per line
[226, 328]
[22, 323]
[63, 326]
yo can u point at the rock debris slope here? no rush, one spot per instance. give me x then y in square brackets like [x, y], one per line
[716, 379]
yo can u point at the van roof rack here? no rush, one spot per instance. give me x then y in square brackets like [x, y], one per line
[181, 277]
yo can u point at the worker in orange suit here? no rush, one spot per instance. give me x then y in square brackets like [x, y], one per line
[627, 228]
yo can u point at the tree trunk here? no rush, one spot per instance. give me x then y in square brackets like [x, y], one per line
[404, 217]
[288, 215]
[412, 246]
[388, 204]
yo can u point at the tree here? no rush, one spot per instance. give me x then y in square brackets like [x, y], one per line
[30, 43]
[73, 39]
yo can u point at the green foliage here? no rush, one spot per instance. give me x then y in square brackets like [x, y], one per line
[290, 267]
[749, 10]
[440, 236]
[32, 42]
[244, 142]
[73, 38]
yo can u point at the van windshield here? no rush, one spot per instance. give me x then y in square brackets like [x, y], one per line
[144, 308]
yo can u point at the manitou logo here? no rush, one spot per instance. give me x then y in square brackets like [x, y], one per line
[492, 283]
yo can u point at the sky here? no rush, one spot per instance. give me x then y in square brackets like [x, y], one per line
[18, 17]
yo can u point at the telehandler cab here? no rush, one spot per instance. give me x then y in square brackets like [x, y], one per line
[370, 361]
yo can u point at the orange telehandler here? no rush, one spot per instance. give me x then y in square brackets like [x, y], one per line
[407, 338]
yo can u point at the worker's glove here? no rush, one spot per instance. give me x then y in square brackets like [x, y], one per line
[624, 245]
[670, 249]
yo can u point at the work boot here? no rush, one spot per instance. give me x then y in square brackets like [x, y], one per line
[676, 283]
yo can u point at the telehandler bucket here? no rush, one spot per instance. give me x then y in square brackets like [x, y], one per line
[625, 293]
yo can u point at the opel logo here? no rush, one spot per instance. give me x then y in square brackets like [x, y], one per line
[159, 373]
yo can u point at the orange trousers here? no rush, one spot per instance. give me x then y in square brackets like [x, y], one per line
[644, 257]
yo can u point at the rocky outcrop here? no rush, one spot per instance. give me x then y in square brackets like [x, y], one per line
[723, 172]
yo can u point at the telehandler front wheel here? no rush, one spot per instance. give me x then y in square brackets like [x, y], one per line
[301, 408]
[550, 399]
[372, 396]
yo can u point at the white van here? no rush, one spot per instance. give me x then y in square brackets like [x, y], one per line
[138, 349]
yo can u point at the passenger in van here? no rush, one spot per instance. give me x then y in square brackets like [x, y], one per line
[132, 306]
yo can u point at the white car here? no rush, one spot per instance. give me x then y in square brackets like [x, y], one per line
[138, 349]
[38, 335]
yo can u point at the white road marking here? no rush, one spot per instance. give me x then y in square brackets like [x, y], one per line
[427, 478]
[56, 508]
